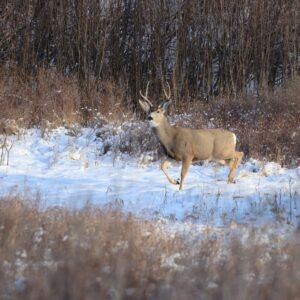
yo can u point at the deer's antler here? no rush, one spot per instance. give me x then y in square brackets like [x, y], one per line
[145, 97]
[168, 95]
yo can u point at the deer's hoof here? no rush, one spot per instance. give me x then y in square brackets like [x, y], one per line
[231, 181]
[177, 181]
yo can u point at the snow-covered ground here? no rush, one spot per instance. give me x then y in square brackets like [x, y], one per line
[64, 169]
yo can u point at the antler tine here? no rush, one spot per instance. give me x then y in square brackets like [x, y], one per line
[168, 95]
[147, 89]
[145, 97]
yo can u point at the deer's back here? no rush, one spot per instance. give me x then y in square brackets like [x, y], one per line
[204, 144]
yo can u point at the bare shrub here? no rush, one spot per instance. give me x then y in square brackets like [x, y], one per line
[267, 126]
[5, 147]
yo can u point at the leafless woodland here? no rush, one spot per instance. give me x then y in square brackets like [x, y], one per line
[204, 48]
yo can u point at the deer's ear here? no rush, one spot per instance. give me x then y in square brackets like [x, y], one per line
[145, 106]
[165, 106]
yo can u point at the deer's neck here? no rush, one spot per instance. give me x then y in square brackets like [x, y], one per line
[165, 134]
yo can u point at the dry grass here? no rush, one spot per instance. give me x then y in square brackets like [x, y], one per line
[98, 254]
[267, 126]
[50, 100]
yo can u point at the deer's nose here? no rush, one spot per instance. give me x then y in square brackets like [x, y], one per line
[150, 118]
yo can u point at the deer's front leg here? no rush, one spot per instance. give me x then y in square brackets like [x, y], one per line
[184, 169]
[164, 166]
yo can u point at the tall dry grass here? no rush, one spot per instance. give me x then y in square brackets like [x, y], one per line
[51, 99]
[267, 126]
[97, 254]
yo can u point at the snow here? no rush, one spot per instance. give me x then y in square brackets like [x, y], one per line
[72, 170]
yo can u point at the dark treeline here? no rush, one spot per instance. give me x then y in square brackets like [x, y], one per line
[204, 48]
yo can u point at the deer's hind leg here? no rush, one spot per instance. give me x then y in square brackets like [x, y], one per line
[233, 165]
[184, 169]
[164, 166]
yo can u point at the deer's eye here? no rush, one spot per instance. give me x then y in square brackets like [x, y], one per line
[158, 111]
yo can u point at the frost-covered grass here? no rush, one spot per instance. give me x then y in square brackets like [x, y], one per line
[102, 254]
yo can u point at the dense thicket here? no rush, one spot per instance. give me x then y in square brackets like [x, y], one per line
[203, 47]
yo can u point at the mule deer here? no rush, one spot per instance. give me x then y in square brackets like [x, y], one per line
[189, 145]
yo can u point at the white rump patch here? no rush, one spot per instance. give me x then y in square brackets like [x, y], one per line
[234, 138]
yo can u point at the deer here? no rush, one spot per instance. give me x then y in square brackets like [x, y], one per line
[189, 145]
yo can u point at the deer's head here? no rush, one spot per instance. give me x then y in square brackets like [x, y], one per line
[156, 115]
